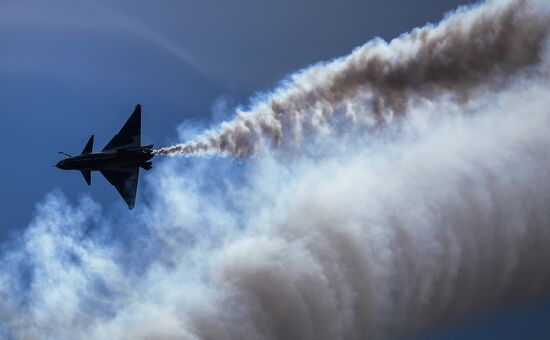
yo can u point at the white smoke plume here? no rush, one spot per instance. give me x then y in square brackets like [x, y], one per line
[381, 233]
[380, 82]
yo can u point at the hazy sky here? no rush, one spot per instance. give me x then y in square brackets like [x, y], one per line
[69, 69]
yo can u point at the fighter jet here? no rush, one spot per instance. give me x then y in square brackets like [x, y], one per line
[119, 161]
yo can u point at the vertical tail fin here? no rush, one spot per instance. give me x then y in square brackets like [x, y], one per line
[89, 146]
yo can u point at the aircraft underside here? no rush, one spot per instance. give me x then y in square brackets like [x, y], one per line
[119, 161]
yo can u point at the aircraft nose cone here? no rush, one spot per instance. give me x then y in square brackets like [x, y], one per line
[59, 165]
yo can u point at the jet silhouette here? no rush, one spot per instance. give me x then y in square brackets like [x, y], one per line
[119, 161]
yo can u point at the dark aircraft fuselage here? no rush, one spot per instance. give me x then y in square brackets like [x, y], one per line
[121, 158]
[119, 161]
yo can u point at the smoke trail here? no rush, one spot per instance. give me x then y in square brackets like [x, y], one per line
[393, 237]
[378, 82]
[400, 232]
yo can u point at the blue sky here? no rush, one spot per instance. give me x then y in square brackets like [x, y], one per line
[75, 68]
[69, 69]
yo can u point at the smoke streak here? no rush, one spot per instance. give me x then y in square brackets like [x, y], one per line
[371, 237]
[378, 82]
[394, 237]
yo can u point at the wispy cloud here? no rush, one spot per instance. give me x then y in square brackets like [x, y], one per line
[63, 17]
[142, 30]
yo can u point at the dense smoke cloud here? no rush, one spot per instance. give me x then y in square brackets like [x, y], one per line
[379, 82]
[374, 233]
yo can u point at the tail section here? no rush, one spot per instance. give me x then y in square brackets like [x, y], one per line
[89, 146]
[146, 166]
[87, 174]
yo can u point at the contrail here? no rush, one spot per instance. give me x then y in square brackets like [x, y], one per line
[149, 34]
[379, 82]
